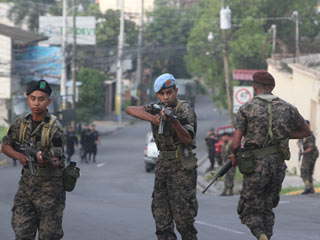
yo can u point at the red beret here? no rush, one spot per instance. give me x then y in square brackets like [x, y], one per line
[263, 77]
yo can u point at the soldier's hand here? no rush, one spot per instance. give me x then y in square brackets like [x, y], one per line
[22, 159]
[39, 157]
[233, 159]
[156, 120]
[164, 117]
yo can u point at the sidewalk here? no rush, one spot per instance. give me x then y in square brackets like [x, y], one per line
[107, 127]
[217, 188]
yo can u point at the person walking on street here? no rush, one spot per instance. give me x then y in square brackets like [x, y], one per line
[266, 123]
[174, 199]
[229, 177]
[211, 141]
[94, 141]
[310, 154]
[40, 199]
[72, 141]
[85, 143]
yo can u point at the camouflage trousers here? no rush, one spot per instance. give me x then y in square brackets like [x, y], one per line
[260, 194]
[38, 205]
[307, 168]
[174, 200]
[229, 179]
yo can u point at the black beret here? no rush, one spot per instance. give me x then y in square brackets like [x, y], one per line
[41, 85]
[263, 77]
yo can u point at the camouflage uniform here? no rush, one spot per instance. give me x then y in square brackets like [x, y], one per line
[174, 194]
[40, 199]
[308, 161]
[229, 177]
[260, 189]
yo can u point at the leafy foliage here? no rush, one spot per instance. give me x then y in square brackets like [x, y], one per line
[91, 94]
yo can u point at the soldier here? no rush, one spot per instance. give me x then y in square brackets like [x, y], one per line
[72, 141]
[267, 123]
[174, 195]
[229, 178]
[40, 199]
[85, 142]
[310, 154]
[211, 141]
[94, 141]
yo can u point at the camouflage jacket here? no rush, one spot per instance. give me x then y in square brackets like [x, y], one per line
[226, 151]
[253, 118]
[169, 140]
[56, 136]
[310, 142]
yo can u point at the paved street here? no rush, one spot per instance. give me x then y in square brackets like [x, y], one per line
[112, 198]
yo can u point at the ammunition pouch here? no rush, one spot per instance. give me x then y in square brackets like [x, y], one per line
[187, 157]
[284, 149]
[70, 175]
[246, 161]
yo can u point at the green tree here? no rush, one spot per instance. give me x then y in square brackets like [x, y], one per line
[249, 41]
[91, 95]
[165, 39]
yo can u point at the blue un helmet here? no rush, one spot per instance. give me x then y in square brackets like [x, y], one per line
[165, 80]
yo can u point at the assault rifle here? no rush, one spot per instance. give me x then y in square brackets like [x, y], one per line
[168, 113]
[31, 153]
[221, 172]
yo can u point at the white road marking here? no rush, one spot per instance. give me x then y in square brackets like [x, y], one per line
[284, 202]
[218, 227]
[101, 164]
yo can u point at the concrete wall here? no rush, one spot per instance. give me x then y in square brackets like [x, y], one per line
[302, 89]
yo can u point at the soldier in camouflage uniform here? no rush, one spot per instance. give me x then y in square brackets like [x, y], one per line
[310, 154]
[40, 199]
[266, 122]
[229, 177]
[174, 194]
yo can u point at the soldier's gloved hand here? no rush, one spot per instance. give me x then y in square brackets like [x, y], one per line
[22, 158]
[164, 117]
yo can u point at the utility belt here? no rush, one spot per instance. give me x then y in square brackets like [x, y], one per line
[183, 154]
[246, 158]
[44, 172]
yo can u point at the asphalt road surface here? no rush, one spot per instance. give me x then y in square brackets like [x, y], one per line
[112, 198]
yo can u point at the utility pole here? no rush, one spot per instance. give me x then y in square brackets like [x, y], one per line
[63, 80]
[139, 60]
[74, 54]
[225, 59]
[274, 38]
[119, 64]
[297, 53]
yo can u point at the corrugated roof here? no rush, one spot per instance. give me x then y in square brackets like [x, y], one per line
[19, 36]
[245, 74]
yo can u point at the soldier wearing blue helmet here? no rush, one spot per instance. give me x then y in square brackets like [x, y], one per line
[174, 196]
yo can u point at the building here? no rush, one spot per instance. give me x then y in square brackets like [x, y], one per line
[299, 84]
[12, 40]
[132, 7]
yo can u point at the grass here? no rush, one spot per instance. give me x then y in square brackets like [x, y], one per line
[295, 189]
[3, 131]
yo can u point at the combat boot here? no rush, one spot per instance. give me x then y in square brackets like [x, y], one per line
[263, 237]
[230, 192]
[224, 193]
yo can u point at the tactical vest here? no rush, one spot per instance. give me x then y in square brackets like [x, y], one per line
[45, 133]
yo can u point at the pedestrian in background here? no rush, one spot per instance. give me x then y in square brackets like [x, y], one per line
[85, 142]
[310, 154]
[174, 199]
[229, 177]
[40, 199]
[72, 141]
[211, 141]
[266, 123]
[94, 141]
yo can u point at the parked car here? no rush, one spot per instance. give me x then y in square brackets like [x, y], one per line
[150, 153]
[219, 132]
